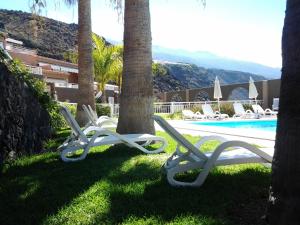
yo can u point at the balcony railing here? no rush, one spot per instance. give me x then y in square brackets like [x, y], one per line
[35, 70]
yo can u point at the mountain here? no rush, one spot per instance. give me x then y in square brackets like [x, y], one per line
[50, 37]
[180, 76]
[209, 60]
[53, 38]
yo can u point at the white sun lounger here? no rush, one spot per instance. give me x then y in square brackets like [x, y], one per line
[240, 111]
[188, 114]
[275, 105]
[192, 158]
[259, 110]
[102, 121]
[210, 114]
[81, 141]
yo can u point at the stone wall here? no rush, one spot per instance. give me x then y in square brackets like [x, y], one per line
[24, 124]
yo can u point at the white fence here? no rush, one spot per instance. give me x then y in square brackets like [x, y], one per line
[173, 107]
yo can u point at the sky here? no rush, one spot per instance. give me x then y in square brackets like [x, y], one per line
[248, 30]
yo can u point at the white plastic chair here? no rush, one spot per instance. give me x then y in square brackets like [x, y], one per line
[226, 153]
[81, 141]
[259, 110]
[102, 121]
[275, 105]
[210, 114]
[240, 111]
[188, 114]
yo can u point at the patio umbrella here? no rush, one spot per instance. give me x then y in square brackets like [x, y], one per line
[217, 91]
[252, 90]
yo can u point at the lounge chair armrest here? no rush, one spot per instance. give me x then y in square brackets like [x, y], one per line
[103, 120]
[93, 128]
[249, 111]
[217, 113]
[101, 132]
[203, 140]
[268, 110]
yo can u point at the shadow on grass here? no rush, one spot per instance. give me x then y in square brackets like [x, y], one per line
[30, 193]
[238, 198]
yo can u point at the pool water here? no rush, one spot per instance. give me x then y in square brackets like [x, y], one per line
[263, 125]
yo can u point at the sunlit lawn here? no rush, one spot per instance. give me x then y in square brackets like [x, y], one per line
[119, 185]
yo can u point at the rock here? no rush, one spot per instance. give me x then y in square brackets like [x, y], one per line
[24, 123]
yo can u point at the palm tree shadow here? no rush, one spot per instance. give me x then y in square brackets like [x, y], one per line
[40, 189]
[234, 198]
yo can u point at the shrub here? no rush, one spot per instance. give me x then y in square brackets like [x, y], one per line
[102, 110]
[227, 108]
[247, 107]
[172, 116]
[57, 120]
[196, 108]
[71, 107]
[175, 116]
[37, 86]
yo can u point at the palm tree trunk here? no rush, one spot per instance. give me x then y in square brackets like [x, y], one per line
[284, 199]
[103, 92]
[136, 100]
[85, 60]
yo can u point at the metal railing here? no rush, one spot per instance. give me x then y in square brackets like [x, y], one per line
[35, 70]
[173, 107]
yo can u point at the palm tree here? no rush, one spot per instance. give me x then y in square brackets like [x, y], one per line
[284, 199]
[136, 100]
[86, 93]
[107, 62]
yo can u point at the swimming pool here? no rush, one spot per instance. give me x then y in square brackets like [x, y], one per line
[263, 125]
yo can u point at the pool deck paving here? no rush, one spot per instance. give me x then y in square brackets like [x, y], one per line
[265, 139]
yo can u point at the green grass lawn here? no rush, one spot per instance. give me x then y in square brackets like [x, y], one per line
[119, 185]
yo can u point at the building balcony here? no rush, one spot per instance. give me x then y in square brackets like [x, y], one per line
[35, 70]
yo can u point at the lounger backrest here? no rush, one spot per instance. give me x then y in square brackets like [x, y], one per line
[187, 112]
[238, 108]
[93, 112]
[275, 105]
[88, 113]
[207, 110]
[258, 109]
[72, 123]
[178, 137]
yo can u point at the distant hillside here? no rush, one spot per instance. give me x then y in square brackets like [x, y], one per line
[209, 60]
[181, 76]
[53, 38]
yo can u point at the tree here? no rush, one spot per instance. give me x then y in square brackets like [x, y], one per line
[71, 56]
[136, 99]
[284, 199]
[86, 93]
[107, 62]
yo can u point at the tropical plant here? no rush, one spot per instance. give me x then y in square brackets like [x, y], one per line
[158, 69]
[107, 63]
[71, 56]
[117, 77]
[284, 198]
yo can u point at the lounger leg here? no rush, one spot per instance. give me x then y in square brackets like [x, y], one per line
[72, 149]
[210, 163]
